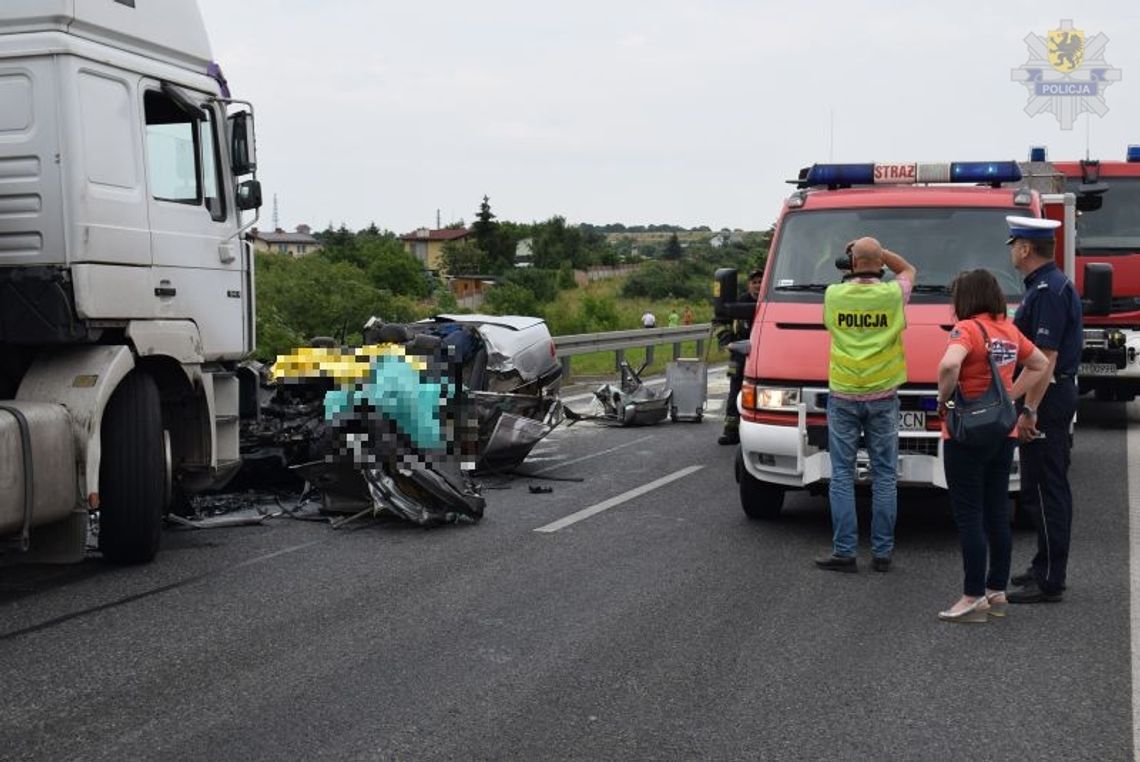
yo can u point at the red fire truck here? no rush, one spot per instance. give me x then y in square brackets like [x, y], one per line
[1108, 238]
[943, 218]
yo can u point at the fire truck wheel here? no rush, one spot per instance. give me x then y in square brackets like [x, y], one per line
[132, 477]
[761, 501]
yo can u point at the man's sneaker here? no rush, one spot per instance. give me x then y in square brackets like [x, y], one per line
[1032, 593]
[729, 438]
[837, 563]
[881, 563]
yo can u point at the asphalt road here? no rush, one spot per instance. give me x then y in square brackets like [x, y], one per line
[667, 626]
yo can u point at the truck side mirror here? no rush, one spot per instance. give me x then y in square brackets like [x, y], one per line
[248, 195]
[243, 152]
[1098, 289]
[1090, 196]
[725, 306]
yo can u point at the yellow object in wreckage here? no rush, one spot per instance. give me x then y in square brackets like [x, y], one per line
[344, 366]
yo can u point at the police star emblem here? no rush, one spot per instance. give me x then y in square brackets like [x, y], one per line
[1066, 74]
[1066, 48]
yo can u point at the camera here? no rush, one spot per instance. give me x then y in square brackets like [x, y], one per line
[844, 262]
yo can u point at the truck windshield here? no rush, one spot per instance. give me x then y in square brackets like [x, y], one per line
[1116, 225]
[939, 242]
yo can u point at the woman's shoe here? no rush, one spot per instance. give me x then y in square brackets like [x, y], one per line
[976, 612]
[998, 602]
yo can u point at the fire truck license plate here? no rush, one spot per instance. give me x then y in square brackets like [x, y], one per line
[1097, 369]
[912, 420]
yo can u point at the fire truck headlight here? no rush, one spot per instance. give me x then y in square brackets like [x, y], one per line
[776, 398]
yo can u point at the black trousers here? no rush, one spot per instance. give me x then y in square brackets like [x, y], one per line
[735, 381]
[1045, 493]
[978, 479]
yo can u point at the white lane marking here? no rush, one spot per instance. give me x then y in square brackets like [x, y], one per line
[605, 505]
[587, 457]
[1134, 573]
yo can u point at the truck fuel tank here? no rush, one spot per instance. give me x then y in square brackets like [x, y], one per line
[36, 438]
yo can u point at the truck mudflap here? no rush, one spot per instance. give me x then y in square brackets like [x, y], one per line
[796, 456]
[81, 379]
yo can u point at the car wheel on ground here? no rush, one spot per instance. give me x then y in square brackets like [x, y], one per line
[761, 501]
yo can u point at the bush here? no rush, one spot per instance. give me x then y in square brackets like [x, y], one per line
[511, 299]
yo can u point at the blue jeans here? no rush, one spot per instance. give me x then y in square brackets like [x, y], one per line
[878, 421]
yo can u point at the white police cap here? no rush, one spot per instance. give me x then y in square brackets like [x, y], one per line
[1030, 227]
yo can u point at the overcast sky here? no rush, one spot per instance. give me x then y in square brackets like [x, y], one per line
[647, 111]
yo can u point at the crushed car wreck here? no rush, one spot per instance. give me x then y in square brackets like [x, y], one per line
[401, 424]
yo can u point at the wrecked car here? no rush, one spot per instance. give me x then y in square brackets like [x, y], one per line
[403, 422]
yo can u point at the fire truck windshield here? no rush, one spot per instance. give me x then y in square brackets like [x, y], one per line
[939, 242]
[1116, 225]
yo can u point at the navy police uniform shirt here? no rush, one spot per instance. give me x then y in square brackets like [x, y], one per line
[1050, 316]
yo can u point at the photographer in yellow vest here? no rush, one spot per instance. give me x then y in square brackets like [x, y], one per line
[865, 317]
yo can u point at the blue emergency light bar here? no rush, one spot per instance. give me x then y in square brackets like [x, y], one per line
[1038, 153]
[1133, 153]
[836, 175]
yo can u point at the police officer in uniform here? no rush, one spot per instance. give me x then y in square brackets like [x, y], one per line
[741, 331]
[1050, 316]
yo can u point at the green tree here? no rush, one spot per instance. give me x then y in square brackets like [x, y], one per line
[672, 248]
[463, 258]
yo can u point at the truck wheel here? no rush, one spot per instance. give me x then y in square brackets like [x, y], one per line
[132, 477]
[761, 501]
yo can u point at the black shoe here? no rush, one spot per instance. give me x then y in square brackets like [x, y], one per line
[729, 438]
[1027, 577]
[1023, 579]
[1031, 593]
[837, 563]
[881, 563]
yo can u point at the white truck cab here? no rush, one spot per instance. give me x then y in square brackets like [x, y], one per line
[126, 287]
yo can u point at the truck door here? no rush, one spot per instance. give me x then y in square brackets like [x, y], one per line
[198, 264]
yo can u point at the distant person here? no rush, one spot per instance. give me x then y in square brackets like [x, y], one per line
[977, 475]
[674, 319]
[648, 320]
[742, 331]
[687, 317]
[865, 317]
[1050, 315]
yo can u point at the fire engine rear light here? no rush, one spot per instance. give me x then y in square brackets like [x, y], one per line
[1133, 153]
[1038, 153]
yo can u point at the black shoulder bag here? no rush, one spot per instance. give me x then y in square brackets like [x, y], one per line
[985, 418]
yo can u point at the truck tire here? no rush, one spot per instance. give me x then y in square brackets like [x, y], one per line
[132, 476]
[761, 501]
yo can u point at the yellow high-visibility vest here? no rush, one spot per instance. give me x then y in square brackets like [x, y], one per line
[866, 322]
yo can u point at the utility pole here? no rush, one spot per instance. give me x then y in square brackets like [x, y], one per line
[276, 219]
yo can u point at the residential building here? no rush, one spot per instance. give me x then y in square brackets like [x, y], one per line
[427, 245]
[295, 244]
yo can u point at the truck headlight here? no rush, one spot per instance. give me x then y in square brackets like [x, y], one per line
[774, 398]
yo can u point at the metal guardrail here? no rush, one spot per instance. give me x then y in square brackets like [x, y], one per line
[619, 341]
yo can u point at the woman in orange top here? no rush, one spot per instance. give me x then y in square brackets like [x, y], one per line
[978, 475]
